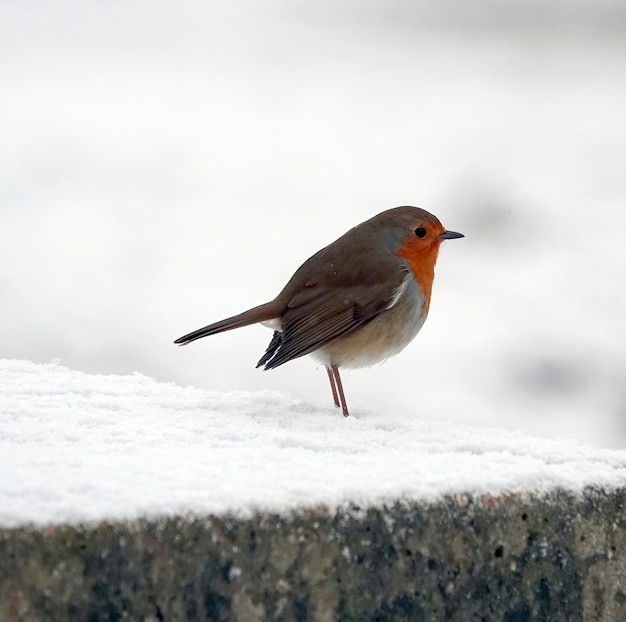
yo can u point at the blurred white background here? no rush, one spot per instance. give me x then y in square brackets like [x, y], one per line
[164, 165]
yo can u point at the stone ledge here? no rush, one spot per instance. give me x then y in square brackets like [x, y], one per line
[513, 558]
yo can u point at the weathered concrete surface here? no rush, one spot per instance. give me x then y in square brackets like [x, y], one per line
[511, 558]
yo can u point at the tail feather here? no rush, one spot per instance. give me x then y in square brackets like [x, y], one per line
[262, 313]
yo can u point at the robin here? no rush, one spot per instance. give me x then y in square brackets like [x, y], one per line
[354, 303]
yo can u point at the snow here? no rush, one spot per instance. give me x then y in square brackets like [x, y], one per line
[81, 447]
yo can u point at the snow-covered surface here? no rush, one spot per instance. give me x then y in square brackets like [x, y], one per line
[80, 447]
[161, 169]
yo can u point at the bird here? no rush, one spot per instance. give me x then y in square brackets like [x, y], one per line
[356, 302]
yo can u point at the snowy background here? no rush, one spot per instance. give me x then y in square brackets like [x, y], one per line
[164, 165]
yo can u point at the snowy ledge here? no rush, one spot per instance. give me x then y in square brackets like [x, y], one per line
[126, 497]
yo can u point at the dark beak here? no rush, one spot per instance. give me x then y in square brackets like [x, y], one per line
[450, 235]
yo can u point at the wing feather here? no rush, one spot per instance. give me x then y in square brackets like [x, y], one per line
[316, 315]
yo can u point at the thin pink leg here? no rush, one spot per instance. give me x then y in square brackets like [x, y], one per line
[342, 397]
[333, 387]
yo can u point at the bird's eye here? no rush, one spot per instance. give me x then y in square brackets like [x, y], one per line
[420, 232]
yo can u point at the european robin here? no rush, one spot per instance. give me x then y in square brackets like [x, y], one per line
[354, 303]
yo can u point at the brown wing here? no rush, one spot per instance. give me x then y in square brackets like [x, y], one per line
[315, 316]
[337, 291]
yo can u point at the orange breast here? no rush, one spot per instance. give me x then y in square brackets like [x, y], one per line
[422, 263]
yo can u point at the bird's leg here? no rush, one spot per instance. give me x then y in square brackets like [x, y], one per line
[342, 397]
[333, 387]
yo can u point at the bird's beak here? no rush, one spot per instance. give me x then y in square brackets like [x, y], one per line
[449, 235]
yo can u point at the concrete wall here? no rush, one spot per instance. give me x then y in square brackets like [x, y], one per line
[512, 558]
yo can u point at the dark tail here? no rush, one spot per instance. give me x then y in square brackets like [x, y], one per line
[262, 313]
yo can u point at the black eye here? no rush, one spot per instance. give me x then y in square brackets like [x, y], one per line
[420, 232]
